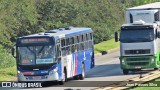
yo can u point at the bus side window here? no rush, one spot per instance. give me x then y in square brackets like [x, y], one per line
[82, 42]
[77, 44]
[77, 47]
[78, 39]
[62, 42]
[75, 39]
[72, 48]
[58, 51]
[91, 36]
[90, 40]
[82, 46]
[67, 42]
[86, 37]
[81, 38]
[72, 45]
[63, 51]
[86, 41]
[68, 50]
[71, 40]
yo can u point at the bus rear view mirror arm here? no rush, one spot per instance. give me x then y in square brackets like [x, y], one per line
[116, 36]
[13, 50]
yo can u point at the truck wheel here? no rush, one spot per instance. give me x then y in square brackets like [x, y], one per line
[125, 72]
[82, 75]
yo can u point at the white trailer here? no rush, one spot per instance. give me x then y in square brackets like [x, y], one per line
[149, 13]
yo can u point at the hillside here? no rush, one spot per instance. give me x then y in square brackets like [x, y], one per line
[23, 17]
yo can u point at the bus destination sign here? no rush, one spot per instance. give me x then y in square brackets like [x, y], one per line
[34, 40]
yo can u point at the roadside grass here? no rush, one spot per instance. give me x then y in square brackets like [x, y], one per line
[156, 81]
[7, 65]
[7, 74]
[106, 45]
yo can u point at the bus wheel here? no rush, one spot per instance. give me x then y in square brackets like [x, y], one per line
[75, 77]
[82, 75]
[125, 71]
[155, 68]
[64, 78]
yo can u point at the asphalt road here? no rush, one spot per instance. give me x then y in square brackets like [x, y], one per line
[106, 71]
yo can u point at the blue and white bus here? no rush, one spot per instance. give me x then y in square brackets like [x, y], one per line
[55, 55]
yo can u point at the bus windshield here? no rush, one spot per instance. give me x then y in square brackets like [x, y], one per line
[130, 36]
[31, 55]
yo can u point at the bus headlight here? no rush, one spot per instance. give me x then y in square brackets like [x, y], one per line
[54, 70]
[18, 72]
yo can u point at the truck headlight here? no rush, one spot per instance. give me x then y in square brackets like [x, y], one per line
[123, 62]
[152, 60]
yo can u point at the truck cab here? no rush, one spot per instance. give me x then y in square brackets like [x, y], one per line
[139, 46]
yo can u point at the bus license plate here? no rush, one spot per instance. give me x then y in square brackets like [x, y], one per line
[36, 78]
[137, 66]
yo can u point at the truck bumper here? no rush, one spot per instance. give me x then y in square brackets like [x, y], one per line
[139, 62]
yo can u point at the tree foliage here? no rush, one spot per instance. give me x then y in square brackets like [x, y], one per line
[24, 17]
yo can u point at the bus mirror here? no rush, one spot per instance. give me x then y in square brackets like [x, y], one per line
[13, 50]
[116, 36]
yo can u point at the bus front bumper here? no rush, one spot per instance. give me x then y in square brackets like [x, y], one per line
[50, 77]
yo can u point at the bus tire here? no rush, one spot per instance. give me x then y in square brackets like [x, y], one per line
[64, 78]
[82, 75]
[125, 71]
[76, 77]
[155, 68]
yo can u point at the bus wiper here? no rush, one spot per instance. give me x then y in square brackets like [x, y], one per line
[30, 49]
[41, 49]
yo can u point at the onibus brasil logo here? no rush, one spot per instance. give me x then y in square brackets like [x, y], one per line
[20, 85]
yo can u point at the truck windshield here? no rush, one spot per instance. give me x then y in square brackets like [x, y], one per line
[31, 55]
[130, 36]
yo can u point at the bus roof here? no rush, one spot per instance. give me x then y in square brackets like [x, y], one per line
[155, 5]
[61, 32]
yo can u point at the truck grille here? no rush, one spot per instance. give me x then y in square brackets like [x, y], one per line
[137, 59]
[137, 63]
[138, 51]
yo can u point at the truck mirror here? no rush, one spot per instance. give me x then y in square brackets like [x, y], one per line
[116, 36]
[158, 34]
